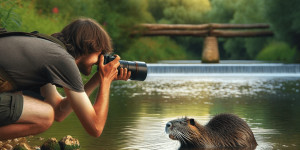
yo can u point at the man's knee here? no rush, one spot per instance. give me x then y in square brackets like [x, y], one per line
[48, 118]
[37, 112]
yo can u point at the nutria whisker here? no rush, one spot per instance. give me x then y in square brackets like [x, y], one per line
[179, 136]
[184, 137]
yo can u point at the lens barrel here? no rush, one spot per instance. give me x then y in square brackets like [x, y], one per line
[138, 69]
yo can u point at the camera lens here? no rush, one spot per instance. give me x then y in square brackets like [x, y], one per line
[138, 69]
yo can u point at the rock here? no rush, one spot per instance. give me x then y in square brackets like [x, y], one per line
[69, 143]
[36, 148]
[8, 141]
[22, 140]
[22, 146]
[8, 146]
[51, 144]
[16, 140]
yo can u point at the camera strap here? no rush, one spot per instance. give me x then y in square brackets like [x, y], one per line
[5, 33]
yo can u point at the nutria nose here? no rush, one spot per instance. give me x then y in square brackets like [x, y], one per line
[169, 125]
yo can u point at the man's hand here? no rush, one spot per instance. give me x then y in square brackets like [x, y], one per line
[108, 71]
[123, 75]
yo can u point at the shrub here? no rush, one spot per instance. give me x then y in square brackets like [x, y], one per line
[8, 18]
[278, 51]
[154, 49]
[34, 21]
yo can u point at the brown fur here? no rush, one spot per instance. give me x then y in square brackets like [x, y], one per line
[222, 131]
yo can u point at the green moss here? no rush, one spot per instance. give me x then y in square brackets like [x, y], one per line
[69, 143]
[51, 144]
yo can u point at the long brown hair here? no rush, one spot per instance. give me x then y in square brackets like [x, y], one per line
[84, 36]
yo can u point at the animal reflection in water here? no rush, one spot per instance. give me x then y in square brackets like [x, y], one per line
[222, 131]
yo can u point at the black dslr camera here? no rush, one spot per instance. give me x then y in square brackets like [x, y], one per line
[138, 69]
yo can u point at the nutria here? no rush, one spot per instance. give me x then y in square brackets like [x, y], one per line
[222, 131]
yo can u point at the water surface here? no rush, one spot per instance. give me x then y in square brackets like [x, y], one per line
[139, 110]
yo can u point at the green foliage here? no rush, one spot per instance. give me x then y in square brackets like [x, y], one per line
[120, 17]
[235, 48]
[249, 12]
[8, 18]
[180, 11]
[24, 17]
[193, 45]
[278, 51]
[284, 17]
[222, 10]
[33, 21]
[70, 8]
[154, 49]
[240, 12]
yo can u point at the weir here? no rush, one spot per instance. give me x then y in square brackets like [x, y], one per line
[269, 69]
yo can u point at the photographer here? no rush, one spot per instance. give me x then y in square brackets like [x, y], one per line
[29, 63]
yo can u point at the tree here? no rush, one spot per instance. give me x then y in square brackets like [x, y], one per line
[120, 17]
[251, 12]
[222, 11]
[240, 12]
[180, 11]
[284, 17]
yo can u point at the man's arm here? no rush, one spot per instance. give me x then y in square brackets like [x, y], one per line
[80, 103]
[93, 117]
[61, 105]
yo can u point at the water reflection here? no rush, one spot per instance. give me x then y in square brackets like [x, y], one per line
[139, 111]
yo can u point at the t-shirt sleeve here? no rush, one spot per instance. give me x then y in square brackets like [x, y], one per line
[65, 73]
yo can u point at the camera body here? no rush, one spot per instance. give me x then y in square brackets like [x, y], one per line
[138, 69]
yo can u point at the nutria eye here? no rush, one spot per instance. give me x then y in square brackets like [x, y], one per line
[192, 122]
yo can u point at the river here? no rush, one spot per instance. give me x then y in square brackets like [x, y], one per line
[139, 110]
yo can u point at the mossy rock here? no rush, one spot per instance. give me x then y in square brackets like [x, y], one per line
[22, 146]
[69, 143]
[51, 144]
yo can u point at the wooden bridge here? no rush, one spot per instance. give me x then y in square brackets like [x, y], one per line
[210, 32]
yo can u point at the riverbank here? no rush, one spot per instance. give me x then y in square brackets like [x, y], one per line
[32, 143]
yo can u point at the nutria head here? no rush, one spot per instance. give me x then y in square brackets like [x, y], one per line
[185, 130]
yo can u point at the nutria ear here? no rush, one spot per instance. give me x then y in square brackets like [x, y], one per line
[192, 121]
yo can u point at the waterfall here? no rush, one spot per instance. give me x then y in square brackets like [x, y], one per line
[273, 69]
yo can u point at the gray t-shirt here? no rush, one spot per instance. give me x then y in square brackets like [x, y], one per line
[33, 62]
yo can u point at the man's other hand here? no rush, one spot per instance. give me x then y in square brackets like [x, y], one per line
[124, 74]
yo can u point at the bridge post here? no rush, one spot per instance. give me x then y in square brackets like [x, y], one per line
[210, 52]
